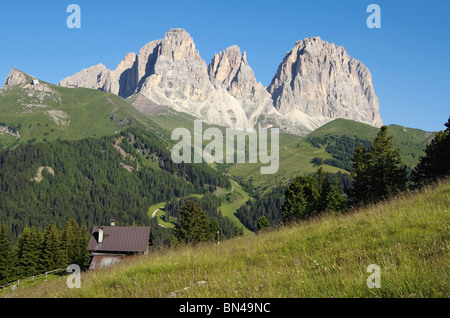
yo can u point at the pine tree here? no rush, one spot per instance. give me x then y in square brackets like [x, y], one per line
[7, 257]
[70, 246]
[324, 187]
[336, 200]
[436, 162]
[301, 198]
[378, 173]
[361, 174]
[83, 259]
[52, 256]
[263, 223]
[388, 172]
[193, 225]
[28, 252]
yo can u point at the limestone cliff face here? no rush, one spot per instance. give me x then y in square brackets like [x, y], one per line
[95, 77]
[15, 77]
[320, 79]
[230, 70]
[316, 83]
[174, 67]
[123, 78]
[121, 81]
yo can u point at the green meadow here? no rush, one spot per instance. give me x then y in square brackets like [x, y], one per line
[407, 237]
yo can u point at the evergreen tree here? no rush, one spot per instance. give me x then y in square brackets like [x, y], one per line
[193, 224]
[361, 174]
[336, 200]
[312, 195]
[263, 223]
[52, 255]
[73, 244]
[324, 187]
[7, 257]
[68, 241]
[389, 172]
[301, 198]
[378, 172]
[28, 252]
[436, 162]
[83, 258]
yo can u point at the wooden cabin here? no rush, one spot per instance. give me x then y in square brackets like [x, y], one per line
[110, 244]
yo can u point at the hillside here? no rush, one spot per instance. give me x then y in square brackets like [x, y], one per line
[332, 146]
[94, 179]
[35, 117]
[407, 237]
[411, 142]
[44, 112]
[41, 113]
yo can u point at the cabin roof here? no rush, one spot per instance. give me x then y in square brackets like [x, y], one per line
[124, 239]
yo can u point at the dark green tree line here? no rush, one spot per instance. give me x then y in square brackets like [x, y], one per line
[38, 252]
[308, 196]
[90, 184]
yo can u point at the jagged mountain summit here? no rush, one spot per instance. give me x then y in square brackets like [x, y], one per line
[317, 82]
[320, 79]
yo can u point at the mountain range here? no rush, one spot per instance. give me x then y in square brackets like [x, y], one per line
[315, 83]
[97, 145]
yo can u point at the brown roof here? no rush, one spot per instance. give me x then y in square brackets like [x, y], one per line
[120, 239]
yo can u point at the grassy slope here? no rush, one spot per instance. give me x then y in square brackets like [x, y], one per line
[411, 142]
[228, 209]
[327, 257]
[296, 153]
[295, 156]
[90, 112]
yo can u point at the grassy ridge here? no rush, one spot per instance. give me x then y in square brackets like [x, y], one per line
[411, 142]
[295, 154]
[326, 257]
[65, 113]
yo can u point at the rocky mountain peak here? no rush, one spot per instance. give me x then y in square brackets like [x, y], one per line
[316, 82]
[230, 70]
[178, 44]
[127, 62]
[320, 79]
[177, 34]
[17, 77]
[94, 77]
[174, 70]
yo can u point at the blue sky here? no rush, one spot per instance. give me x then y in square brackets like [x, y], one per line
[408, 56]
